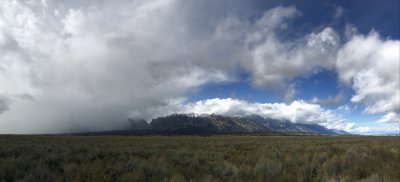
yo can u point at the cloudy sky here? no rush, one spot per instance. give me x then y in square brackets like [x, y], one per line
[87, 65]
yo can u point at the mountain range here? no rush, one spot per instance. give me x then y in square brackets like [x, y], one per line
[202, 124]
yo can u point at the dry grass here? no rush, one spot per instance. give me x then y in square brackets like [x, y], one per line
[197, 158]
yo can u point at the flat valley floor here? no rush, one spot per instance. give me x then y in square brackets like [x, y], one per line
[199, 158]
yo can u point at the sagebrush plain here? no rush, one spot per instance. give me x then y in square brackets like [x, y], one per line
[199, 158]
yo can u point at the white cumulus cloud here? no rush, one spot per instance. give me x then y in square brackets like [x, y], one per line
[371, 65]
[390, 117]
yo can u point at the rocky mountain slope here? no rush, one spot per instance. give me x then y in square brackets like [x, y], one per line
[190, 123]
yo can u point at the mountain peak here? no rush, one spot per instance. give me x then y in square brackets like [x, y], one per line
[214, 123]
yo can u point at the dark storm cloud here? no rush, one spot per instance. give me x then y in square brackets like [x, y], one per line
[3, 104]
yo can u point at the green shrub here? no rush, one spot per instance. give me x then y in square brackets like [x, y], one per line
[195, 158]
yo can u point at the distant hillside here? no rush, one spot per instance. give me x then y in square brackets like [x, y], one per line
[206, 123]
[189, 123]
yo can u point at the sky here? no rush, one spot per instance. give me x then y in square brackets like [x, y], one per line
[90, 65]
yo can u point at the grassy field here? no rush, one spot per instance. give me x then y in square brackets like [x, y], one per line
[199, 158]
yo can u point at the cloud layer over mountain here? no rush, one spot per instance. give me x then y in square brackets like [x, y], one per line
[297, 111]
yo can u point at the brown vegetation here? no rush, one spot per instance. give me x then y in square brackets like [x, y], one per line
[199, 158]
